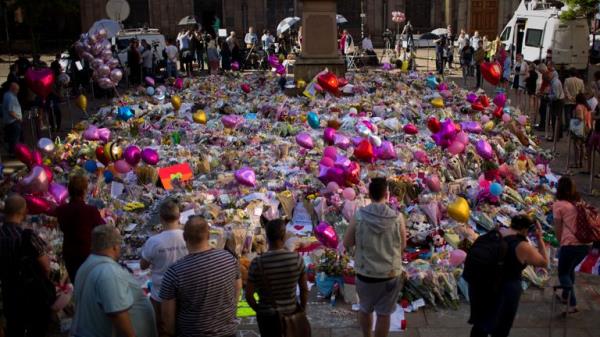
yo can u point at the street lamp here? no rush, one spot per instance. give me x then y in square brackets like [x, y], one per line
[362, 19]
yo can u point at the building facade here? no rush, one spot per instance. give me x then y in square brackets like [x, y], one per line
[487, 16]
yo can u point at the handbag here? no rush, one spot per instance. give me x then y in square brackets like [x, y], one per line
[292, 325]
[577, 127]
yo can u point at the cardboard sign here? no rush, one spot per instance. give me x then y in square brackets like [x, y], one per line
[181, 172]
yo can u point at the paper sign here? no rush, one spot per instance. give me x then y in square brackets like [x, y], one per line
[222, 32]
[116, 189]
[181, 172]
[397, 320]
[184, 216]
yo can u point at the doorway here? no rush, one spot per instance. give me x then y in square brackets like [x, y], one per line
[205, 11]
[520, 30]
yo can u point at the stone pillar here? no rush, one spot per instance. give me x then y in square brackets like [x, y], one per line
[319, 40]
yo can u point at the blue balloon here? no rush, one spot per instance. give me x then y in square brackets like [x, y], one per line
[496, 189]
[431, 82]
[125, 113]
[313, 120]
[150, 91]
[91, 166]
[108, 177]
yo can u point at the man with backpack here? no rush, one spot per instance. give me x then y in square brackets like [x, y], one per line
[493, 270]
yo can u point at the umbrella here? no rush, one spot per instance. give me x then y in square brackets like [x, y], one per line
[286, 24]
[340, 19]
[439, 31]
[188, 20]
[111, 27]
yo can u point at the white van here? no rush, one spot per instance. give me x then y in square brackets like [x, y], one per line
[151, 35]
[539, 34]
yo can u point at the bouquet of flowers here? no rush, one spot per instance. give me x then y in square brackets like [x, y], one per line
[332, 263]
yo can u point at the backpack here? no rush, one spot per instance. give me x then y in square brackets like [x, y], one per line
[485, 260]
[587, 223]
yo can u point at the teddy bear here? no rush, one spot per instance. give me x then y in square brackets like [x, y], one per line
[418, 227]
[437, 241]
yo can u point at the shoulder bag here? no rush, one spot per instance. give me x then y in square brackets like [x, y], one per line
[292, 325]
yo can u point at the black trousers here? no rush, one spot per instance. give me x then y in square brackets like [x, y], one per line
[23, 318]
[494, 315]
[269, 325]
[556, 111]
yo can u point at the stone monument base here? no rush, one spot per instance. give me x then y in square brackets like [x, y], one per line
[306, 68]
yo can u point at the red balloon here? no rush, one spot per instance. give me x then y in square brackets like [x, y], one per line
[24, 154]
[101, 156]
[342, 82]
[245, 87]
[40, 81]
[37, 205]
[352, 173]
[49, 173]
[485, 101]
[410, 129]
[434, 125]
[37, 157]
[491, 72]
[364, 151]
[477, 106]
[498, 112]
[329, 82]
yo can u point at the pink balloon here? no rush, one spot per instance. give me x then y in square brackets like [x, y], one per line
[522, 119]
[326, 235]
[433, 183]
[122, 166]
[40, 81]
[342, 161]
[332, 187]
[37, 205]
[36, 181]
[132, 155]
[149, 80]
[49, 173]
[328, 174]
[341, 141]
[235, 66]
[59, 193]
[96, 63]
[462, 137]
[330, 152]
[116, 75]
[446, 93]
[37, 158]
[457, 257]
[104, 135]
[386, 151]
[500, 99]
[442, 87]
[329, 135]
[421, 157]
[246, 176]
[150, 156]
[411, 129]
[506, 118]
[246, 88]
[178, 84]
[327, 162]
[87, 56]
[91, 133]
[106, 54]
[103, 71]
[348, 193]
[105, 83]
[23, 153]
[456, 147]
[305, 140]
[232, 121]
[484, 149]
[471, 127]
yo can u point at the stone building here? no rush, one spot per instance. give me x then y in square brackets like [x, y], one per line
[487, 16]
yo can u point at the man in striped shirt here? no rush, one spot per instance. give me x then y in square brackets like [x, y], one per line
[275, 275]
[200, 292]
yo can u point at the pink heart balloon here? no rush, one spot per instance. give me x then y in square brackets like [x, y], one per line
[386, 151]
[246, 176]
[36, 181]
[456, 147]
[59, 193]
[37, 205]
[457, 257]
[40, 81]
[329, 135]
[23, 153]
[341, 141]
[305, 140]
[326, 235]
[330, 152]
[433, 183]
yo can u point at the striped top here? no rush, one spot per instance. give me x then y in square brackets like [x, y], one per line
[13, 249]
[203, 285]
[283, 269]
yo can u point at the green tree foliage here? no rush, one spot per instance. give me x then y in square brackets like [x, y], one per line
[579, 8]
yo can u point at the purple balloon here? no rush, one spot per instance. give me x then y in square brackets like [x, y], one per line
[37, 181]
[87, 56]
[132, 155]
[329, 174]
[471, 127]
[106, 55]
[97, 48]
[59, 193]
[105, 83]
[103, 70]
[484, 149]
[122, 166]
[112, 63]
[273, 61]
[280, 69]
[471, 97]
[341, 141]
[246, 176]
[104, 135]
[356, 141]
[329, 135]
[386, 151]
[96, 64]
[150, 156]
[305, 140]
[91, 133]
[448, 128]
[232, 121]
[326, 235]
[342, 161]
[116, 75]
[149, 80]
[500, 99]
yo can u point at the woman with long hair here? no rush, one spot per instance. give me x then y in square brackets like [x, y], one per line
[572, 251]
[580, 131]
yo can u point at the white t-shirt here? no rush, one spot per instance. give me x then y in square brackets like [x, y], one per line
[172, 53]
[162, 250]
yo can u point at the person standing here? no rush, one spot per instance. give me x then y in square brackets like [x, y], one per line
[200, 41]
[225, 56]
[161, 251]
[475, 40]
[440, 49]
[250, 39]
[556, 99]
[466, 60]
[274, 276]
[76, 220]
[12, 117]
[479, 57]
[108, 299]
[379, 234]
[450, 47]
[407, 32]
[147, 58]
[134, 61]
[520, 70]
[200, 292]
[56, 67]
[531, 88]
[27, 292]
[212, 54]
[573, 86]
[172, 55]
[493, 310]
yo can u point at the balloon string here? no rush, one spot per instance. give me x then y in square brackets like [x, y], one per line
[116, 91]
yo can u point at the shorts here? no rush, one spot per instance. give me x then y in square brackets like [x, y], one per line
[380, 297]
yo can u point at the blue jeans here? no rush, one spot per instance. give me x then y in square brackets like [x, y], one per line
[171, 69]
[569, 258]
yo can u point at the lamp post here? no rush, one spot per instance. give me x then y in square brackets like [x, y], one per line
[362, 19]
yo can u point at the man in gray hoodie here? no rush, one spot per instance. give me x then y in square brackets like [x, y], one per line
[379, 234]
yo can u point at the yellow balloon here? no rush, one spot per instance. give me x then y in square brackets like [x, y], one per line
[199, 117]
[459, 210]
[176, 102]
[437, 102]
[405, 65]
[489, 126]
[113, 151]
[301, 84]
[82, 102]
